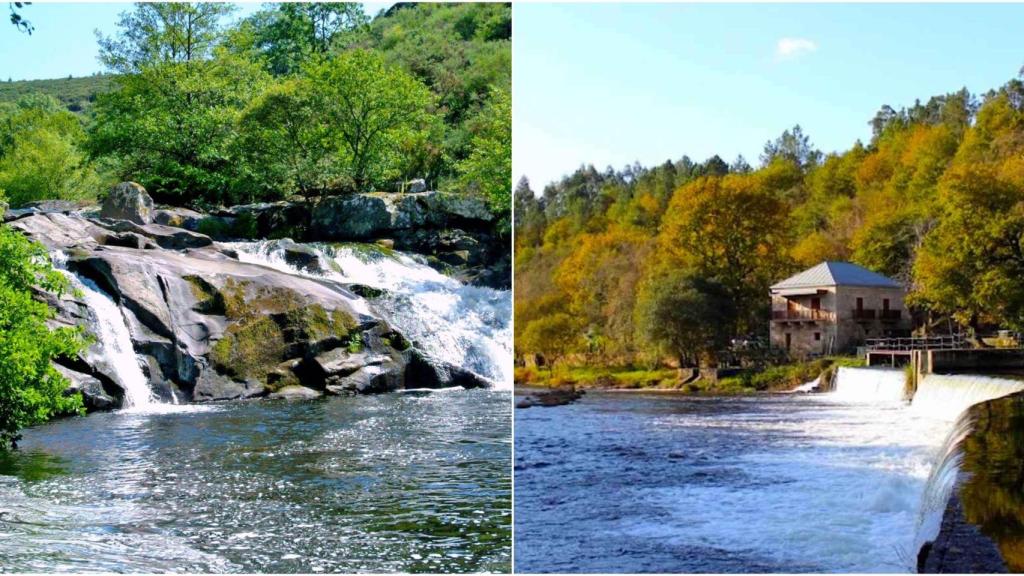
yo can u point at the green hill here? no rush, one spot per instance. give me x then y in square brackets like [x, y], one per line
[77, 94]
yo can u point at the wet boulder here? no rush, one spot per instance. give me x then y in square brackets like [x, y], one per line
[128, 201]
[94, 395]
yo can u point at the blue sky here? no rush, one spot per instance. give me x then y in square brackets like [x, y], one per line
[615, 83]
[64, 43]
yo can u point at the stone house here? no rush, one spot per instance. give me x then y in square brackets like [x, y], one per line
[833, 307]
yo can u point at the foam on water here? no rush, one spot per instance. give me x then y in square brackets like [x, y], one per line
[869, 384]
[469, 326]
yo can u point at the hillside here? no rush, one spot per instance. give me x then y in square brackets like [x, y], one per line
[78, 94]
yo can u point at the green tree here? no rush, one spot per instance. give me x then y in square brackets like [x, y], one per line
[172, 127]
[40, 158]
[792, 145]
[553, 337]
[288, 34]
[488, 169]
[163, 32]
[31, 389]
[687, 316]
[372, 108]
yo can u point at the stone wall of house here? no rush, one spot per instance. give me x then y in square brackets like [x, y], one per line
[812, 338]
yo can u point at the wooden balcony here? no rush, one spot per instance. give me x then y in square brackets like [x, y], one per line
[802, 315]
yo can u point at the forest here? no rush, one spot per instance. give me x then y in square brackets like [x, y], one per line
[646, 266]
[205, 109]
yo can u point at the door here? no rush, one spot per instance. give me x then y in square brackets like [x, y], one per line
[789, 340]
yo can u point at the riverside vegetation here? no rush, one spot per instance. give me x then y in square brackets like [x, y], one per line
[620, 270]
[317, 104]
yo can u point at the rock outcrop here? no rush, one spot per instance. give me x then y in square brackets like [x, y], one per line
[458, 234]
[128, 201]
[208, 327]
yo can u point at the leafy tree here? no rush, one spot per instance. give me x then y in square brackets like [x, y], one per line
[31, 389]
[732, 231]
[172, 128]
[163, 32]
[374, 108]
[40, 157]
[288, 34]
[551, 336]
[688, 316]
[488, 169]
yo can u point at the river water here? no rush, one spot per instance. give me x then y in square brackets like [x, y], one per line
[415, 482]
[836, 482]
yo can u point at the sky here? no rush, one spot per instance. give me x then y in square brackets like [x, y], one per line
[610, 84]
[63, 42]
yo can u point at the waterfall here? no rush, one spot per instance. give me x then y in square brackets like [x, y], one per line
[869, 384]
[469, 326]
[948, 396]
[115, 344]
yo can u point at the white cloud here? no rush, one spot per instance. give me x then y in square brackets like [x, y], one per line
[788, 48]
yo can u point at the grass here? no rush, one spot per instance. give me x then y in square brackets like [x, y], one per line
[768, 379]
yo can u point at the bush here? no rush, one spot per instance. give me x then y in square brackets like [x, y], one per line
[31, 389]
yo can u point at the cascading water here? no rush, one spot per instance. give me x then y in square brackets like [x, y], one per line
[115, 344]
[869, 384]
[941, 402]
[469, 326]
[107, 324]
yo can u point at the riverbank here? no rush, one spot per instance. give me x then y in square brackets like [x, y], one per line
[737, 382]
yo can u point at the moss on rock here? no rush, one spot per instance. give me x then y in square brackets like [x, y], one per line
[250, 349]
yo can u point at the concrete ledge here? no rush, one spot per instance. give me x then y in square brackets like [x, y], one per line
[960, 547]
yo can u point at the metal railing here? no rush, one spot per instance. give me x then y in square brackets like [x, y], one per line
[916, 343]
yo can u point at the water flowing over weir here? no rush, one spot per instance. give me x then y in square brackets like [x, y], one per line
[938, 398]
[469, 326]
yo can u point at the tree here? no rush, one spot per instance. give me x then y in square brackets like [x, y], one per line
[288, 34]
[163, 32]
[172, 127]
[372, 108]
[733, 231]
[688, 316]
[488, 169]
[794, 146]
[40, 158]
[31, 389]
[553, 337]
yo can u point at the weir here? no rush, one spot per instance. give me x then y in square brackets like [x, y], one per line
[940, 398]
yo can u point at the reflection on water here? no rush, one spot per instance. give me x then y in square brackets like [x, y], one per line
[400, 482]
[993, 457]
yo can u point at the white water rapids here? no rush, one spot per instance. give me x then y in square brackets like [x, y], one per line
[469, 326]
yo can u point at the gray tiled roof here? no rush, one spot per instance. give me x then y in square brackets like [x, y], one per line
[836, 274]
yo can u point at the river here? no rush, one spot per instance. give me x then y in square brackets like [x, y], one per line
[412, 482]
[836, 482]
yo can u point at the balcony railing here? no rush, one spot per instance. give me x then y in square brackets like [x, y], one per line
[871, 314]
[919, 343]
[863, 314]
[809, 314]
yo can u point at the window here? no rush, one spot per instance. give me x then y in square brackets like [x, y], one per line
[817, 336]
[860, 304]
[885, 304]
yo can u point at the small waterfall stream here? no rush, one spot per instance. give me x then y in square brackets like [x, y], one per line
[869, 385]
[469, 326]
[115, 343]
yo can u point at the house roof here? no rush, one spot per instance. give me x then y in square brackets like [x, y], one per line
[836, 274]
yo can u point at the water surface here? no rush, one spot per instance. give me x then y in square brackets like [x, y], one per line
[397, 482]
